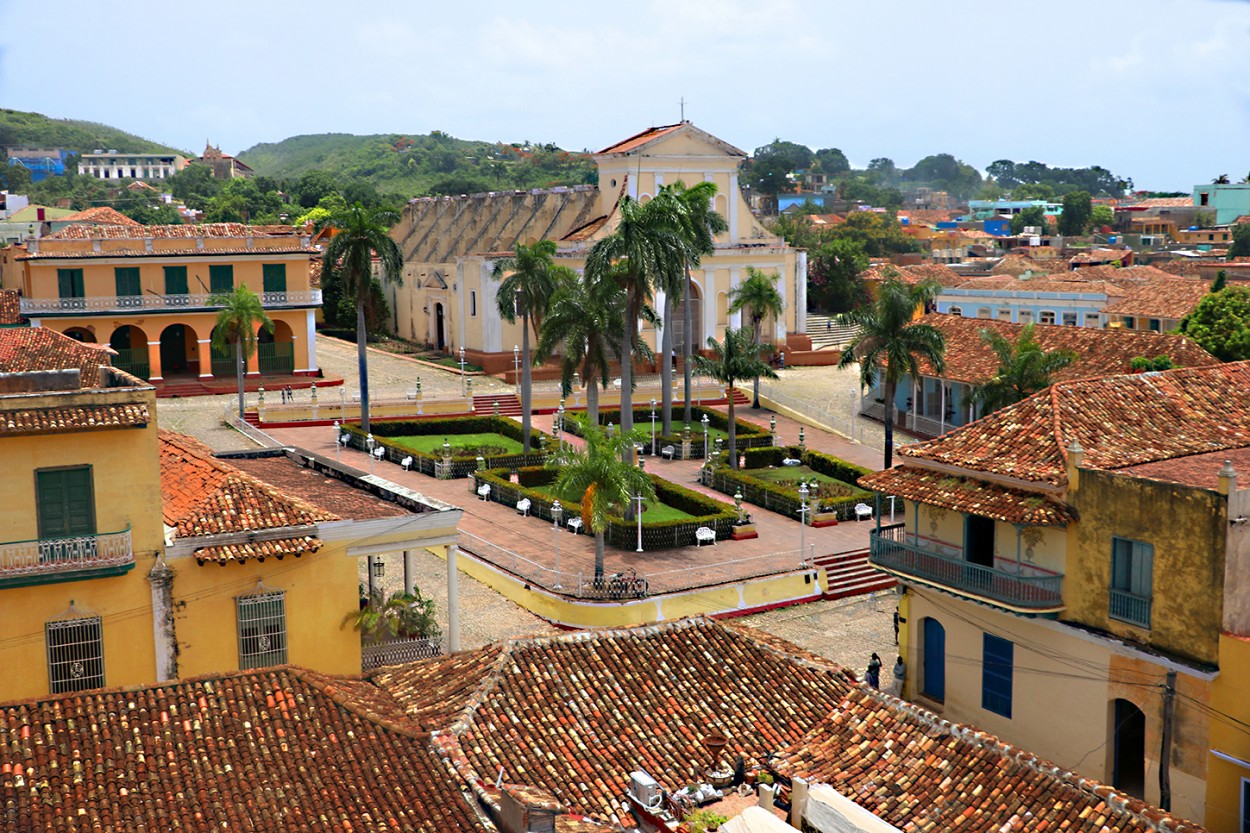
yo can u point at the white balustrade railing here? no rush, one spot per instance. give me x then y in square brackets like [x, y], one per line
[126, 303]
[62, 555]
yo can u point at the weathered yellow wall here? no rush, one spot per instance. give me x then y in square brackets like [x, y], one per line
[1230, 696]
[1041, 547]
[126, 482]
[1187, 528]
[321, 588]
[1055, 668]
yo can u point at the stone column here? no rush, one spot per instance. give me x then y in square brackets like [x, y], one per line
[800, 293]
[409, 568]
[453, 600]
[154, 361]
[166, 641]
[204, 352]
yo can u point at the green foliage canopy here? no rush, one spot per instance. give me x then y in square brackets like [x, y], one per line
[1221, 324]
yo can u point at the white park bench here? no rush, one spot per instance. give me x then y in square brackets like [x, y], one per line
[523, 506]
[407, 463]
[791, 461]
[668, 451]
[483, 491]
[863, 512]
[379, 452]
[704, 535]
[575, 525]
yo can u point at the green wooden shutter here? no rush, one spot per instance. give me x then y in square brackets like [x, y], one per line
[127, 280]
[69, 283]
[274, 277]
[220, 279]
[175, 280]
[65, 502]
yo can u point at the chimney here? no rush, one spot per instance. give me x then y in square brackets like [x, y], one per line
[1228, 479]
[1076, 455]
[798, 802]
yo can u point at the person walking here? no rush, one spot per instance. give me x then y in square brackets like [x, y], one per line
[874, 671]
[900, 676]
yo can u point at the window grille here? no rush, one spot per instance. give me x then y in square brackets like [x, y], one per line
[262, 629]
[75, 654]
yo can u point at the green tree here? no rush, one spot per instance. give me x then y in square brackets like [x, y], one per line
[1101, 215]
[403, 616]
[890, 344]
[1221, 280]
[878, 233]
[240, 316]
[582, 322]
[313, 186]
[529, 279]
[1034, 215]
[1024, 368]
[1241, 241]
[1222, 179]
[833, 276]
[598, 475]
[832, 161]
[1221, 324]
[194, 185]
[362, 234]
[760, 295]
[733, 359]
[1077, 208]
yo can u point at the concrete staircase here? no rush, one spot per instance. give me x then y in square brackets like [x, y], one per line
[509, 404]
[828, 334]
[850, 574]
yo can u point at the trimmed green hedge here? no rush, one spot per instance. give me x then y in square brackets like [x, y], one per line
[461, 465]
[656, 535]
[748, 435]
[783, 499]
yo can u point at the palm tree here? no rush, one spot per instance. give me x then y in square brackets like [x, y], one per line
[633, 256]
[582, 321]
[699, 229]
[1222, 179]
[240, 315]
[598, 475]
[734, 359]
[361, 235]
[532, 277]
[759, 293]
[890, 344]
[1024, 368]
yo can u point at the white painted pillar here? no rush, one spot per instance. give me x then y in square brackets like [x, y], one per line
[735, 278]
[783, 288]
[453, 600]
[488, 311]
[943, 414]
[162, 580]
[311, 328]
[462, 292]
[914, 400]
[660, 296]
[409, 569]
[733, 198]
[709, 308]
[800, 293]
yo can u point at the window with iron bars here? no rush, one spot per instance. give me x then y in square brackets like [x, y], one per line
[261, 620]
[75, 654]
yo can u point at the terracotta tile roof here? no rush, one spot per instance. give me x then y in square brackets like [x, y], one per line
[10, 307]
[924, 774]
[330, 494]
[571, 716]
[1048, 283]
[73, 419]
[826, 219]
[40, 348]
[965, 494]
[1200, 470]
[278, 749]
[276, 548]
[639, 139]
[1101, 256]
[1165, 202]
[201, 495]
[1100, 352]
[135, 231]
[915, 273]
[1184, 266]
[1119, 421]
[1174, 298]
[102, 215]
[1017, 265]
[925, 216]
[191, 251]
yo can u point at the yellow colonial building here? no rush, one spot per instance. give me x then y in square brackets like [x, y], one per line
[450, 300]
[129, 555]
[1075, 572]
[147, 292]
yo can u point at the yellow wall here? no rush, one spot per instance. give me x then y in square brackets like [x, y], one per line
[126, 483]
[1229, 736]
[321, 588]
[1041, 547]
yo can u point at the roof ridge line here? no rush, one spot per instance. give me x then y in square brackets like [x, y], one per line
[340, 698]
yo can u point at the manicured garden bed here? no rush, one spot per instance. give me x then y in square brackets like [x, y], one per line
[767, 483]
[749, 435]
[669, 521]
[468, 436]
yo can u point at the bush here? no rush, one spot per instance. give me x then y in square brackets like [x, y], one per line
[840, 499]
[748, 434]
[462, 464]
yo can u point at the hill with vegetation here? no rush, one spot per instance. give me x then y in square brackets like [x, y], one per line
[409, 165]
[18, 128]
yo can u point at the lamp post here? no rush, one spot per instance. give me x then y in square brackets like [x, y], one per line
[516, 368]
[639, 500]
[803, 493]
[556, 512]
[369, 443]
[463, 378]
[560, 423]
[652, 427]
[338, 444]
[706, 450]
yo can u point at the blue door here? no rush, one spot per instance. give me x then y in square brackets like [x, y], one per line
[933, 685]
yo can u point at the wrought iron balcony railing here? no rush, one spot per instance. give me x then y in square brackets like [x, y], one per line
[158, 303]
[53, 556]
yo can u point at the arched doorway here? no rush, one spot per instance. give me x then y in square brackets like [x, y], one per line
[1128, 748]
[82, 334]
[221, 358]
[440, 335]
[275, 352]
[132, 351]
[178, 350]
[933, 679]
[696, 320]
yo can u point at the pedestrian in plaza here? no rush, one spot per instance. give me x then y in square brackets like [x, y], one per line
[781, 359]
[290, 394]
[896, 624]
[900, 676]
[874, 671]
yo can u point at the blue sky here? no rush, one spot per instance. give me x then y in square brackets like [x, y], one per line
[1157, 90]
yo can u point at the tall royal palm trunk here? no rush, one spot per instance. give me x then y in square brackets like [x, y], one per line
[756, 390]
[889, 422]
[362, 361]
[238, 368]
[666, 366]
[733, 428]
[627, 374]
[598, 559]
[687, 338]
[592, 398]
[526, 384]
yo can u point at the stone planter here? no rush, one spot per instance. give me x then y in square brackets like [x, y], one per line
[744, 532]
[821, 519]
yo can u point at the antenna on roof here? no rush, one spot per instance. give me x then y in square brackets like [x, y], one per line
[682, 103]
